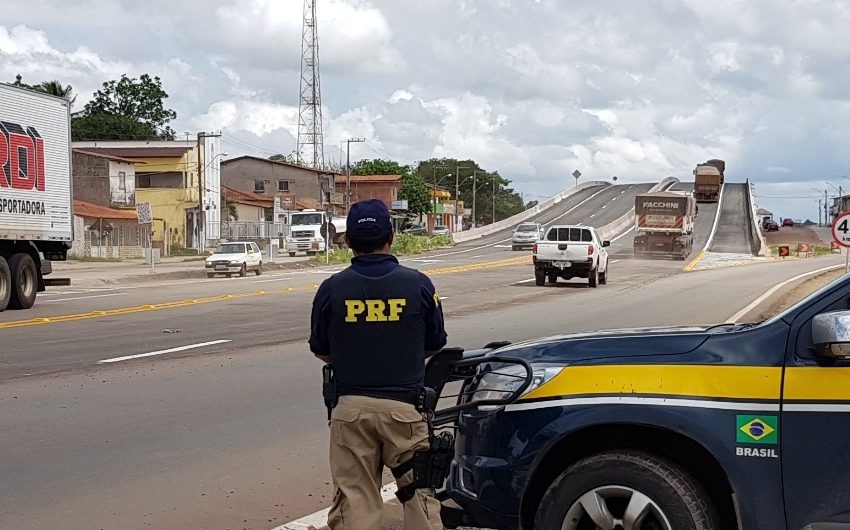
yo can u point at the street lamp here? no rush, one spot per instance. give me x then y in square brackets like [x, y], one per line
[201, 189]
[825, 192]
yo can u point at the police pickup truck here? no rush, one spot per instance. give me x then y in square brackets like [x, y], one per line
[733, 426]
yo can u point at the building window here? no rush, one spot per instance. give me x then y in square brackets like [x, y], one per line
[259, 186]
[283, 186]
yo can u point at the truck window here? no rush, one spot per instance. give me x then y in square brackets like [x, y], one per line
[573, 235]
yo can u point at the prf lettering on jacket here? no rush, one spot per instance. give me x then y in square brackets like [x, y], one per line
[374, 310]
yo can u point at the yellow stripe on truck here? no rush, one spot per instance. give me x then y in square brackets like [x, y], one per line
[730, 382]
[817, 384]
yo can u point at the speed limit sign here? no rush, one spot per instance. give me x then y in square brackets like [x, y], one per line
[841, 230]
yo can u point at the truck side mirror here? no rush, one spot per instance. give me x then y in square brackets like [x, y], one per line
[831, 334]
[606, 243]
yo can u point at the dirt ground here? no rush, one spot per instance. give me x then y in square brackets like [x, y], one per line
[790, 297]
[793, 235]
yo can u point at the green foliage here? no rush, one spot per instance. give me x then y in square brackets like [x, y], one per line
[379, 166]
[414, 191]
[487, 184]
[403, 245]
[54, 88]
[278, 157]
[127, 109]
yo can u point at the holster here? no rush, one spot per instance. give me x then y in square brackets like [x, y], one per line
[430, 468]
[329, 389]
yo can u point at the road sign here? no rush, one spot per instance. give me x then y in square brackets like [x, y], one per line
[144, 213]
[576, 173]
[841, 230]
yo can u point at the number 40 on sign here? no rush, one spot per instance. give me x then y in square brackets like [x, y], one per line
[841, 235]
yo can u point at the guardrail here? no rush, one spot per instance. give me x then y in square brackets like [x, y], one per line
[622, 224]
[757, 240]
[475, 233]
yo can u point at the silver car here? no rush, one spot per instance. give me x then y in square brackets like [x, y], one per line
[526, 235]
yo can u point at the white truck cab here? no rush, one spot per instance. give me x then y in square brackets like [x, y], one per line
[307, 232]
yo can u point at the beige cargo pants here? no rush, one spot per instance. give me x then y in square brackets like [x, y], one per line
[366, 435]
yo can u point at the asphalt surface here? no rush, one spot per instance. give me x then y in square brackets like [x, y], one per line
[732, 235]
[224, 427]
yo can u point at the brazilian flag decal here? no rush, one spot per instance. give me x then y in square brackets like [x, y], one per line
[757, 429]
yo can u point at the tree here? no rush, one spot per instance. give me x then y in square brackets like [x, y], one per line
[127, 109]
[379, 166]
[283, 158]
[414, 191]
[232, 212]
[531, 204]
[54, 88]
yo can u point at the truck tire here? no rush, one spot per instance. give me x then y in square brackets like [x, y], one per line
[259, 270]
[553, 278]
[603, 279]
[593, 277]
[292, 254]
[244, 270]
[24, 281]
[539, 277]
[5, 284]
[626, 489]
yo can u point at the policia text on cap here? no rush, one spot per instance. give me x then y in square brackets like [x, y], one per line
[376, 322]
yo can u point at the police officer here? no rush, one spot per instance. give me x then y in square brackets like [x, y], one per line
[376, 322]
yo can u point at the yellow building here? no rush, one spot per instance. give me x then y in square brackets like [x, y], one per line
[166, 177]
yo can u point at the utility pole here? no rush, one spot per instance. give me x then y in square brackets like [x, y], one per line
[474, 171]
[494, 199]
[457, 193]
[200, 220]
[348, 171]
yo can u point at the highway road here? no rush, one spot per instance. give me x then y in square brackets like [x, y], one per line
[215, 420]
[732, 231]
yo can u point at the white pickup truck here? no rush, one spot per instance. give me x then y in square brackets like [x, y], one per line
[571, 252]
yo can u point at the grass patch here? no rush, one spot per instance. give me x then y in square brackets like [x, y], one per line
[93, 259]
[180, 251]
[403, 245]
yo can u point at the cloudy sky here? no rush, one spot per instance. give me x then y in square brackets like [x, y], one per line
[532, 88]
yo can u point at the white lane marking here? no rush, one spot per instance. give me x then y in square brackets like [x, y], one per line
[526, 281]
[616, 261]
[637, 400]
[82, 297]
[623, 234]
[319, 520]
[273, 280]
[502, 246]
[716, 219]
[161, 352]
[752, 305]
[478, 256]
[592, 216]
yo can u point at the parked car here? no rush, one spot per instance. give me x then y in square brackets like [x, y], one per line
[235, 258]
[771, 226]
[440, 230]
[417, 230]
[788, 222]
[571, 252]
[526, 235]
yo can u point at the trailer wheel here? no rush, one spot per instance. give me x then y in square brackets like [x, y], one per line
[539, 277]
[24, 281]
[5, 284]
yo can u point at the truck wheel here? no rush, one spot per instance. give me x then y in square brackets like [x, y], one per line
[292, 254]
[5, 284]
[514, 247]
[210, 275]
[553, 278]
[24, 281]
[604, 278]
[539, 277]
[243, 271]
[625, 489]
[593, 277]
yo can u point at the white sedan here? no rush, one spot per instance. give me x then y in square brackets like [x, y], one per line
[235, 258]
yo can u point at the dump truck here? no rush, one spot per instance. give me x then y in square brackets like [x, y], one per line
[664, 222]
[708, 180]
[36, 212]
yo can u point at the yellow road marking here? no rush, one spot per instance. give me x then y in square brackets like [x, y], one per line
[225, 297]
[695, 261]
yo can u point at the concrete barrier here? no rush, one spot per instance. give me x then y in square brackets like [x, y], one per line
[757, 240]
[476, 233]
[622, 223]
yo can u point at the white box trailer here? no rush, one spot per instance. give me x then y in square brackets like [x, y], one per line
[36, 208]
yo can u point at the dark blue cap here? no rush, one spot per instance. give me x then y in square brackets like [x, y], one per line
[368, 220]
